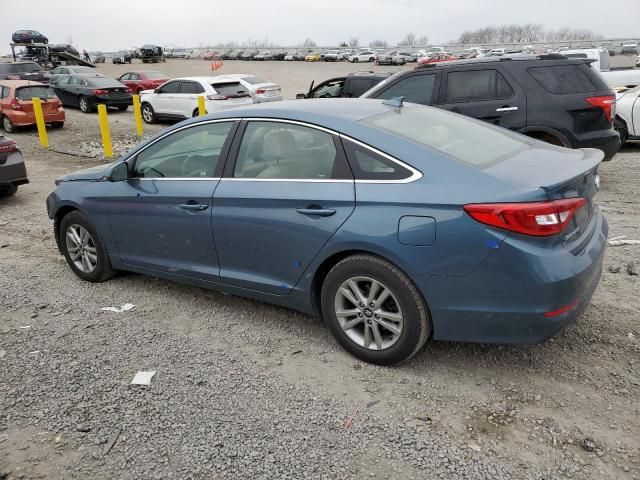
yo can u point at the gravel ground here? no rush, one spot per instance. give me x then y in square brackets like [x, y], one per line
[247, 390]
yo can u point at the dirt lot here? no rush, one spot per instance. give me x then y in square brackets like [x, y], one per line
[247, 390]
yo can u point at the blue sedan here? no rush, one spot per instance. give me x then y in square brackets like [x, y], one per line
[395, 223]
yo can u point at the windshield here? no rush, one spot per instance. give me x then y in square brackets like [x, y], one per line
[478, 146]
[27, 93]
[19, 67]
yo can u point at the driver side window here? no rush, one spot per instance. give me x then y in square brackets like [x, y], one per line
[190, 153]
[171, 87]
[329, 90]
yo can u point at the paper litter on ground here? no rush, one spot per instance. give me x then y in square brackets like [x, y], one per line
[143, 378]
[122, 308]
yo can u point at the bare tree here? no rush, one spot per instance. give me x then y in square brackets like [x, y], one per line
[69, 40]
[308, 43]
[527, 33]
[409, 40]
[354, 42]
[422, 40]
[379, 43]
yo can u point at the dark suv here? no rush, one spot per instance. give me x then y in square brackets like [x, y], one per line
[351, 86]
[550, 97]
[23, 71]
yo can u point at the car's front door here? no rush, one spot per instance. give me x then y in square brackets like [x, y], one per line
[164, 101]
[288, 191]
[161, 216]
[486, 94]
[61, 87]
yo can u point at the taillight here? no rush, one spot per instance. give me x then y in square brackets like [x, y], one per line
[15, 105]
[538, 219]
[8, 147]
[607, 103]
[100, 92]
[261, 91]
[13, 77]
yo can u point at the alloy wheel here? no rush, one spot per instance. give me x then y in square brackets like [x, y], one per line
[147, 115]
[84, 106]
[7, 125]
[368, 313]
[81, 248]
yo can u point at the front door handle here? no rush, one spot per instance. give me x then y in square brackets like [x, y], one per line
[506, 109]
[319, 212]
[193, 206]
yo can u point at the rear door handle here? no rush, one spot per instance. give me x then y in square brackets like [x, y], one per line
[193, 206]
[506, 109]
[319, 212]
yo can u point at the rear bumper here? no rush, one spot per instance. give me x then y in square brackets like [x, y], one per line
[506, 298]
[27, 118]
[111, 102]
[609, 144]
[13, 172]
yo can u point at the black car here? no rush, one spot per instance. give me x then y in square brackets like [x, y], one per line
[64, 47]
[351, 86]
[151, 54]
[29, 36]
[553, 98]
[23, 71]
[97, 57]
[13, 172]
[121, 57]
[88, 91]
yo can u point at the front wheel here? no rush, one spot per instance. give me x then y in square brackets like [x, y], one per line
[84, 105]
[355, 60]
[83, 249]
[374, 310]
[622, 130]
[148, 115]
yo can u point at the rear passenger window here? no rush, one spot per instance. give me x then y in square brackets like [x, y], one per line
[415, 88]
[191, 87]
[369, 165]
[562, 79]
[477, 85]
[274, 150]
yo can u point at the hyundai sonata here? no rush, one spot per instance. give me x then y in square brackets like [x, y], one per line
[395, 223]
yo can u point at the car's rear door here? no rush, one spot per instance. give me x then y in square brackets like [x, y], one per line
[61, 88]
[161, 216]
[486, 93]
[287, 189]
[187, 98]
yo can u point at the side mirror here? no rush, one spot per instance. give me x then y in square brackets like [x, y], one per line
[119, 172]
[300, 96]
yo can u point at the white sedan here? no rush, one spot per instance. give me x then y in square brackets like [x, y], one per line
[366, 56]
[627, 121]
[261, 90]
[177, 99]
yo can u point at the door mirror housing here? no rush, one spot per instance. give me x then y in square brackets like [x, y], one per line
[119, 172]
[300, 96]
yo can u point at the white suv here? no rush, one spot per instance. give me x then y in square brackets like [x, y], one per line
[363, 56]
[177, 99]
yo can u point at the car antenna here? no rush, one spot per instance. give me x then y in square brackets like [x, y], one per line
[396, 102]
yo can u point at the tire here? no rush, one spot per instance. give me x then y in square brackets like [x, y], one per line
[92, 246]
[57, 125]
[148, 115]
[355, 60]
[7, 192]
[138, 91]
[371, 59]
[196, 112]
[8, 125]
[622, 130]
[389, 347]
[123, 108]
[84, 105]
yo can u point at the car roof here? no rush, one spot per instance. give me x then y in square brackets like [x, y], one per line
[505, 58]
[206, 79]
[21, 83]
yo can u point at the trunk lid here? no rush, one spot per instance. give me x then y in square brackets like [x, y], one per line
[561, 173]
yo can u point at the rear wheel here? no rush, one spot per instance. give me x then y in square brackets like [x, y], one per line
[123, 108]
[84, 105]
[355, 60]
[148, 115]
[7, 192]
[83, 249]
[57, 124]
[548, 138]
[7, 124]
[374, 310]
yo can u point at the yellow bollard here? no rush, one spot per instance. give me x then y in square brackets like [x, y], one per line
[104, 129]
[42, 129]
[137, 113]
[202, 110]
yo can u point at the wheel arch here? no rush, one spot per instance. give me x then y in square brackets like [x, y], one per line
[58, 215]
[539, 132]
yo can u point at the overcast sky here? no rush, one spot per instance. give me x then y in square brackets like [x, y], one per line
[113, 24]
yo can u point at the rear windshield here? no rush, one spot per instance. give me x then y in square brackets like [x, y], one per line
[19, 67]
[155, 75]
[27, 93]
[230, 89]
[564, 79]
[479, 145]
[254, 80]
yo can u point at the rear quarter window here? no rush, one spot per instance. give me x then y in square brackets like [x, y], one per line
[565, 79]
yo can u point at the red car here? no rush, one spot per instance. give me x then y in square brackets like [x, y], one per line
[16, 108]
[437, 58]
[141, 80]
